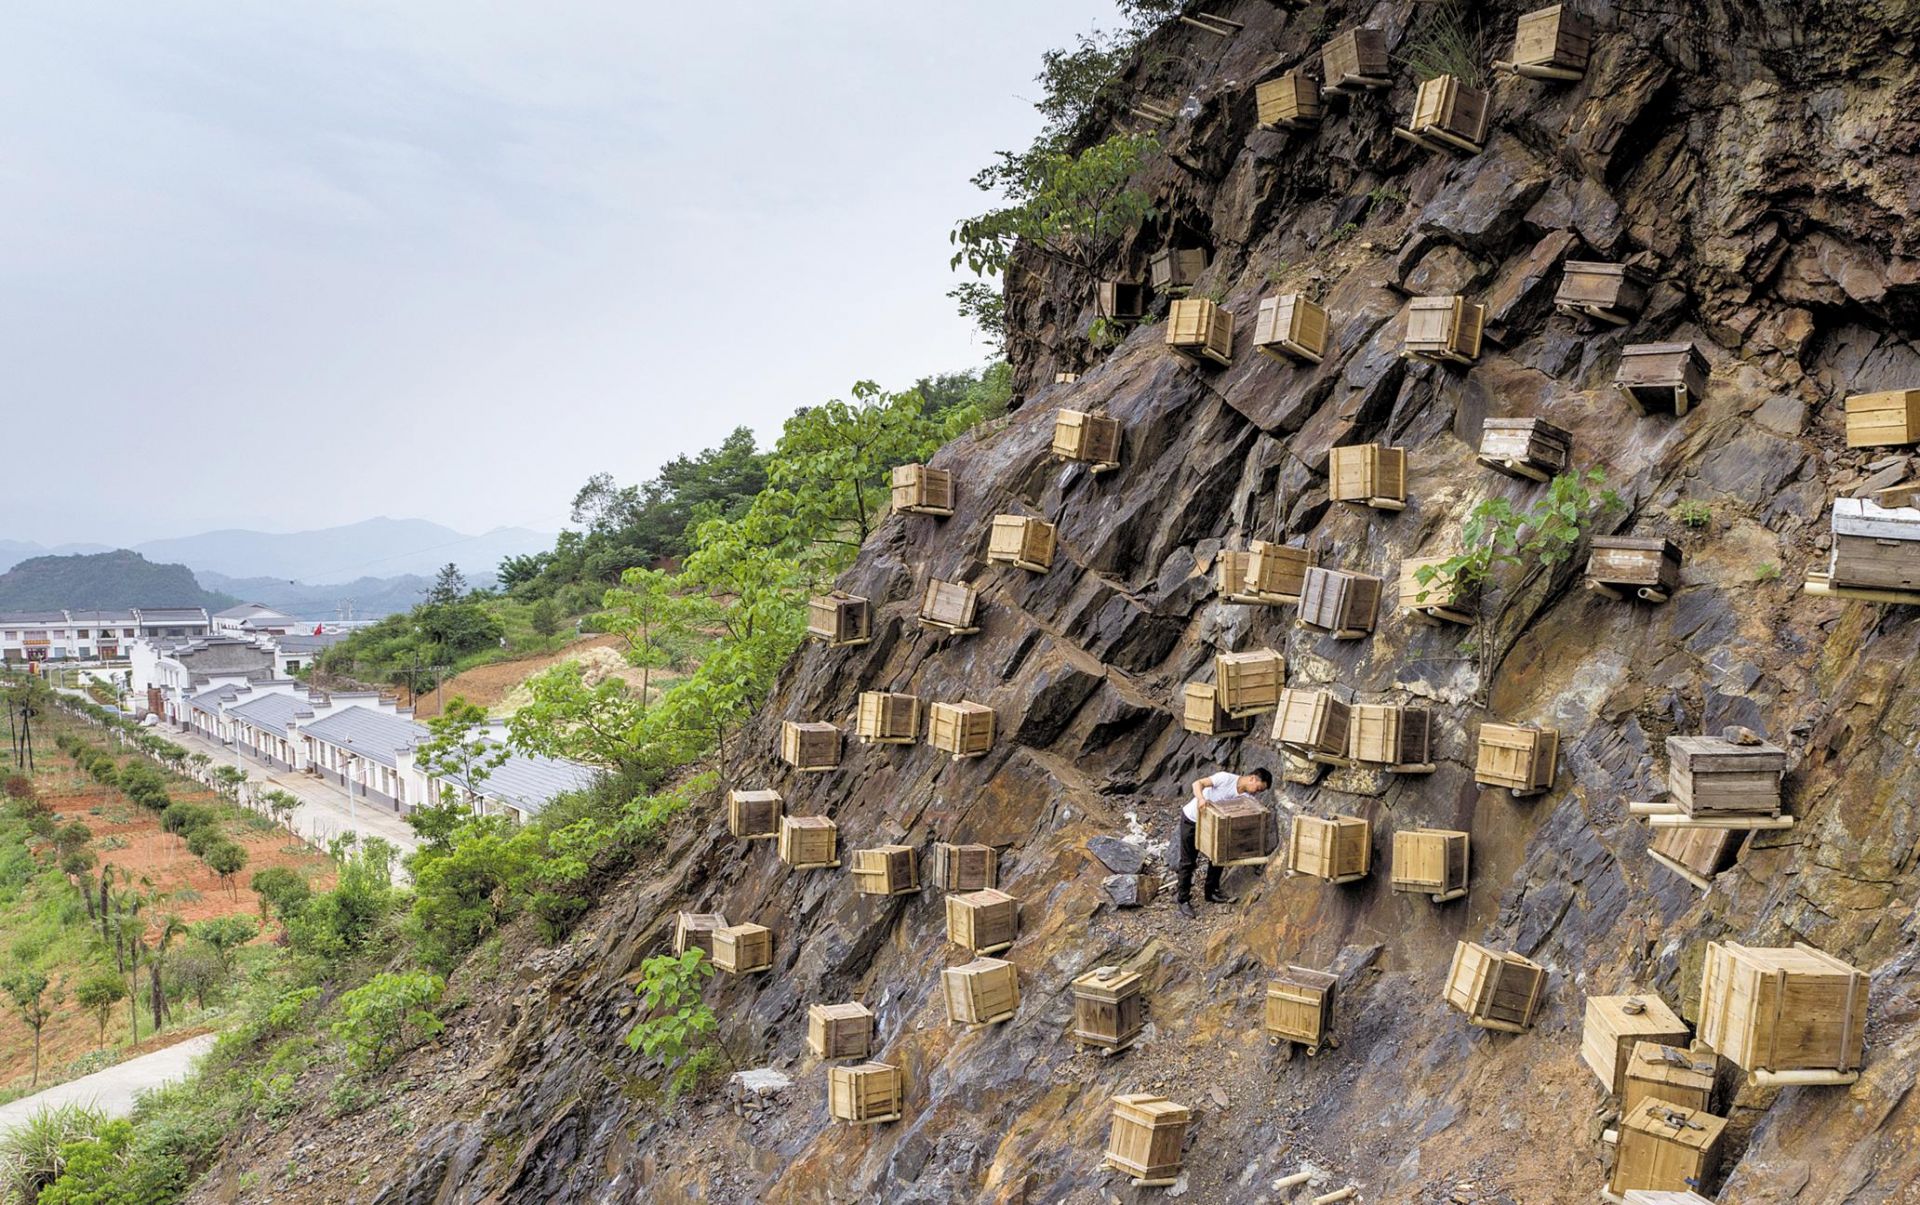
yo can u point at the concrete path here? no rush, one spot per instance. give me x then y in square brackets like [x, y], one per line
[112, 1091]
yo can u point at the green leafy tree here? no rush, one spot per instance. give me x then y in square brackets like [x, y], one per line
[458, 751]
[225, 934]
[1066, 206]
[343, 922]
[388, 1015]
[450, 586]
[565, 716]
[282, 890]
[97, 994]
[227, 781]
[657, 618]
[228, 859]
[467, 890]
[675, 1022]
[543, 618]
[34, 997]
[280, 804]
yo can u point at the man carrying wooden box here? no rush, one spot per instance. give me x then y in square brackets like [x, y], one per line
[1215, 788]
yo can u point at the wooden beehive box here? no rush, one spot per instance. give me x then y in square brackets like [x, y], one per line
[1021, 540]
[1519, 758]
[1784, 1014]
[1431, 861]
[809, 842]
[983, 921]
[1670, 1073]
[1277, 571]
[840, 619]
[1529, 448]
[920, 490]
[809, 747]
[1666, 1146]
[743, 949]
[752, 815]
[1370, 474]
[1291, 102]
[965, 867]
[1249, 683]
[1312, 722]
[1233, 832]
[1448, 115]
[1065, 378]
[1148, 1133]
[1300, 1007]
[1444, 330]
[1121, 300]
[1883, 420]
[840, 1031]
[1109, 1008]
[1094, 438]
[1495, 990]
[1632, 566]
[1650, 1196]
[1201, 713]
[865, 1093]
[963, 729]
[1615, 1024]
[1711, 776]
[886, 718]
[1173, 269]
[1439, 597]
[1200, 330]
[1230, 572]
[1662, 376]
[1696, 854]
[1875, 547]
[886, 870]
[1613, 293]
[985, 991]
[951, 607]
[1391, 735]
[1336, 601]
[1291, 326]
[1553, 43]
[695, 929]
[1338, 849]
[1355, 59]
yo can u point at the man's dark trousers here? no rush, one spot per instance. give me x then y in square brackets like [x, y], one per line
[1189, 854]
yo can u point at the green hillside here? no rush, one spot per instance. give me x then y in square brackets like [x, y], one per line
[102, 581]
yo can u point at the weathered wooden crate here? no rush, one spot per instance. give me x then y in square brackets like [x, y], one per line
[1368, 473]
[840, 619]
[1094, 438]
[963, 729]
[1291, 102]
[752, 815]
[950, 606]
[1345, 604]
[1553, 43]
[840, 1031]
[1148, 1133]
[1662, 376]
[1022, 540]
[1613, 293]
[695, 930]
[1650, 1196]
[1109, 1009]
[1431, 861]
[1313, 723]
[865, 1093]
[886, 718]
[965, 867]
[1495, 990]
[1249, 683]
[1670, 1073]
[1712, 776]
[985, 991]
[1615, 1024]
[1439, 597]
[1633, 566]
[1875, 547]
[1529, 448]
[1338, 849]
[1121, 300]
[1233, 832]
[1666, 1146]
[1520, 758]
[1200, 330]
[1356, 58]
[1277, 571]
[983, 921]
[1201, 713]
[1176, 268]
[1784, 1014]
[1883, 420]
[1290, 325]
[743, 949]
[920, 490]
[886, 870]
[809, 747]
[1230, 573]
[809, 842]
[1300, 1008]
[1696, 854]
[1392, 735]
[1448, 115]
[1065, 378]
[1444, 330]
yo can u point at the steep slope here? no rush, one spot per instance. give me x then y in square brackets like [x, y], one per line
[1758, 159]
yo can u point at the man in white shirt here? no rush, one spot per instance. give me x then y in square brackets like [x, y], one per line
[1214, 788]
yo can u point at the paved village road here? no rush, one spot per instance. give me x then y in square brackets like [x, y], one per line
[112, 1091]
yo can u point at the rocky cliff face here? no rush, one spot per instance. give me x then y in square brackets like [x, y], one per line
[1758, 160]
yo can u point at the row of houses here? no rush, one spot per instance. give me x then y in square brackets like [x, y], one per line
[94, 635]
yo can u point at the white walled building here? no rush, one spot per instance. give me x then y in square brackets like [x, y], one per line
[92, 635]
[249, 619]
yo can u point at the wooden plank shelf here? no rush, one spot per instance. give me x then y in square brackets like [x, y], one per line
[1821, 584]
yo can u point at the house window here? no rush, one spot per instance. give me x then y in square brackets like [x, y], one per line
[293, 667]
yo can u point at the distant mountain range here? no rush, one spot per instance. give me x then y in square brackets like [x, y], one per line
[368, 597]
[102, 581]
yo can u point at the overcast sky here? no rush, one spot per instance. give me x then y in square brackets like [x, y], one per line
[291, 265]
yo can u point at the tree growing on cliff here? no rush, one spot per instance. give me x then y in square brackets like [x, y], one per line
[675, 1022]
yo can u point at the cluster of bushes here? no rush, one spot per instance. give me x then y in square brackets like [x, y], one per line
[143, 783]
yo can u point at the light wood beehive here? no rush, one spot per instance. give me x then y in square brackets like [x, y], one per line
[1233, 831]
[1094, 438]
[1249, 683]
[965, 867]
[1345, 604]
[695, 930]
[840, 619]
[1783, 1009]
[1338, 849]
[963, 729]
[809, 747]
[1494, 989]
[1887, 419]
[1148, 1132]
[840, 1031]
[1368, 473]
[918, 489]
[1431, 861]
[1614, 1024]
[886, 718]
[1520, 758]
[1299, 1006]
[865, 1094]
[1313, 722]
[1444, 329]
[809, 842]
[1200, 330]
[1109, 1007]
[984, 921]
[752, 815]
[743, 949]
[1291, 326]
[1022, 540]
[1666, 1146]
[982, 992]
[886, 870]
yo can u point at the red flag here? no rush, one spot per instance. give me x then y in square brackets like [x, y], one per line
[317, 631]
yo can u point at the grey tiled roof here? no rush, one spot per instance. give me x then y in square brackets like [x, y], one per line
[209, 701]
[248, 610]
[172, 614]
[530, 783]
[33, 617]
[99, 617]
[307, 642]
[271, 712]
[367, 732]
